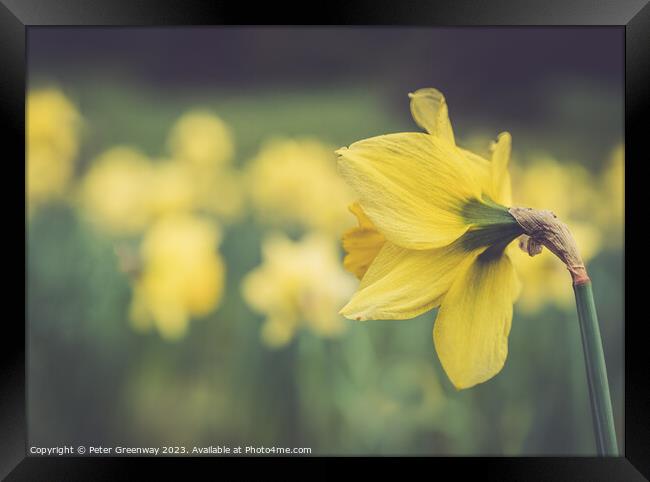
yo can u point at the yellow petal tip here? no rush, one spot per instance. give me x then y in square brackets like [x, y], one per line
[351, 316]
[459, 387]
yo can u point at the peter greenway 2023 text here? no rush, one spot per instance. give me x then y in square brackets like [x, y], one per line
[168, 450]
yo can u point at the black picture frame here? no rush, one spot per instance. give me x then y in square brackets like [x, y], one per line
[17, 16]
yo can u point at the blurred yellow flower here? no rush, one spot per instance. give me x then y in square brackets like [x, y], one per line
[295, 182]
[115, 191]
[220, 192]
[52, 144]
[571, 191]
[612, 212]
[182, 275]
[299, 284]
[124, 191]
[202, 143]
[568, 187]
[202, 139]
[170, 189]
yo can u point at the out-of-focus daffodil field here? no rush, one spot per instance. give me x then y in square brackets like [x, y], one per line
[184, 223]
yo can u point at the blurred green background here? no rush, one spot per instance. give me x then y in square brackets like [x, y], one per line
[184, 217]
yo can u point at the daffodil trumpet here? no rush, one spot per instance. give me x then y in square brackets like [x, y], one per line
[434, 225]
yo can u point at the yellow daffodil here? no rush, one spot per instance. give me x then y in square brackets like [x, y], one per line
[115, 191]
[567, 186]
[182, 275]
[202, 143]
[170, 189]
[52, 144]
[300, 284]
[437, 218]
[612, 212]
[294, 182]
[220, 192]
[202, 139]
[124, 191]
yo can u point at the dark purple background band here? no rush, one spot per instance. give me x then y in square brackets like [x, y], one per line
[21, 13]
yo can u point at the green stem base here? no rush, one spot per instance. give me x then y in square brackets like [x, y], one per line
[601, 403]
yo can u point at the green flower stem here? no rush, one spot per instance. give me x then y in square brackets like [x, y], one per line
[601, 403]
[542, 228]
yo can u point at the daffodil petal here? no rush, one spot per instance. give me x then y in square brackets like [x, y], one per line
[403, 283]
[412, 186]
[363, 220]
[501, 189]
[362, 243]
[471, 330]
[504, 194]
[429, 110]
[482, 169]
